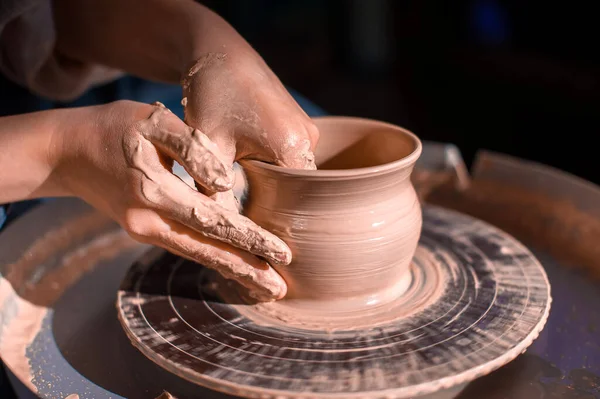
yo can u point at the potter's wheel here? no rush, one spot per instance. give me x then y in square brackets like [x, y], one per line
[493, 300]
[69, 340]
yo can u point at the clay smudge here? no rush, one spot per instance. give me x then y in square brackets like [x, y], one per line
[192, 149]
[74, 252]
[215, 231]
[429, 353]
[240, 119]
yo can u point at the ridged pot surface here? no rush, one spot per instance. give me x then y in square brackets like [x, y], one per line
[353, 224]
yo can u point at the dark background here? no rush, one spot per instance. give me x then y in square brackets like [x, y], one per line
[518, 77]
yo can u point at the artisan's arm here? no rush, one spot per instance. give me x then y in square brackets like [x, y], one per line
[116, 157]
[153, 39]
[28, 154]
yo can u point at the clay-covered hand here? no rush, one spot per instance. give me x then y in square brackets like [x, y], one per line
[119, 158]
[237, 101]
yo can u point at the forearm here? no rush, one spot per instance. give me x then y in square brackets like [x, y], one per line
[28, 150]
[153, 39]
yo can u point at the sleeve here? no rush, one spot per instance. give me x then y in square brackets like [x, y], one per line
[28, 55]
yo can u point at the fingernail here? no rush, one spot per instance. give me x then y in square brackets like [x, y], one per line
[280, 253]
[281, 258]
[284, 257]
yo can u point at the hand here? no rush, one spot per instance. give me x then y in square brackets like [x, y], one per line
[231, 95]
[239, 103]
[118, 157]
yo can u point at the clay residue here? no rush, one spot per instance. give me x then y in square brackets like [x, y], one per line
[192, 149]
[197, 227]
[244, 120]
[205, 61]
[40, 254]
[419, 288]
[49, 266]
[495, 302]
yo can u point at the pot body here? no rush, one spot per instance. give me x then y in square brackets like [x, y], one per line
[352, 231]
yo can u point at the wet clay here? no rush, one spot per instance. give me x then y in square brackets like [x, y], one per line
[210, 233]
[493, 300]
[352, 225]
[417, 289]
[237, 123]
[246, 111]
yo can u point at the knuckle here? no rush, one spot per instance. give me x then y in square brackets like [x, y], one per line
[300, 132]
[133, 195]
[138, 226]
[144, 192]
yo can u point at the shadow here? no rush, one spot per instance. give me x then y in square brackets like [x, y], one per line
[36, 269]
[170, 275]
[532, 377]
[375, 149]
[92, 341]
[71, 260]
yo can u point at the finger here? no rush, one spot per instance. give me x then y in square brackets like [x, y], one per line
[199, 156]
[298, 150]
[226, 199]
[175, 200]
[292, 147]
[263, 282]
[230, 199]
[296, 154]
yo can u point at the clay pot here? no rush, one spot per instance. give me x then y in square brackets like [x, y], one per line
[353, 224]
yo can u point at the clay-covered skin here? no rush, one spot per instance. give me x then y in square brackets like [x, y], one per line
[239, 103]
[118, 158]
[236, 107]
[352, 231]
[242, 106]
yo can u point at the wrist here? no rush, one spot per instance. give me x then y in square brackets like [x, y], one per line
[213, 37]
[153, 39]
[30, 156]
[63, 147]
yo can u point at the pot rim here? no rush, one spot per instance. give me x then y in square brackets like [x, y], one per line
[408, 160]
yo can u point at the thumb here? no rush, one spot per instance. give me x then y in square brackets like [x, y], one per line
[295, 148]
[298, 155]
[227, 148]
